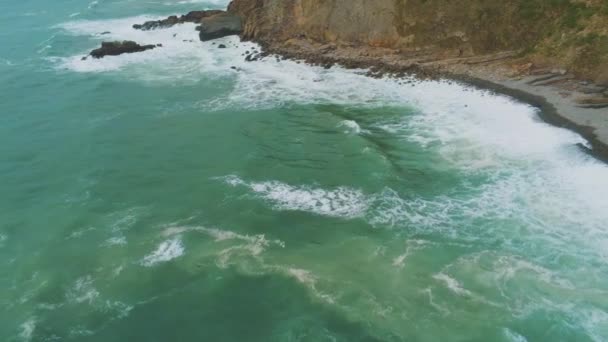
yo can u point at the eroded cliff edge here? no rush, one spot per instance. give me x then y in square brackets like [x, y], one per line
[569, 33]
[553, 53]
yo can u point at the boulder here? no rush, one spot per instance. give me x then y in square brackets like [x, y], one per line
[118, 48]
[220, 25]
[190, 17]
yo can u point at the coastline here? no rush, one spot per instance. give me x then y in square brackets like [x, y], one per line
[557, 102]
[551, 109]
[563, 99]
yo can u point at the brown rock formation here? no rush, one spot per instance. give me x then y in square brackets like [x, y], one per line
[572, 34]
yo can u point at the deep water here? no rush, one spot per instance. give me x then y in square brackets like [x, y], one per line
[165, 196]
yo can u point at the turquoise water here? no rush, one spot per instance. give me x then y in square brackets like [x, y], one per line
[164, 196]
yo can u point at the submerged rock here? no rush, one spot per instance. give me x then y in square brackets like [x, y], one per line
[220, 25]
[191, 17]
[118, 48]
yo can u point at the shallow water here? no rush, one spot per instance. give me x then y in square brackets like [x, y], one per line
[165, 196]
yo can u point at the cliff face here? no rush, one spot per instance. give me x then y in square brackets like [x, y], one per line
[567, 33]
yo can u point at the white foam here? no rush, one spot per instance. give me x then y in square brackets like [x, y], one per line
[441, 309]
[115, 241]
[595, 322]
[124, 219]
[80, 332]
[182, 57]
[27, 329]
[253, 246]
[513, 336]
[118, 270]
[341, 202]
[79, 233]
[412, 245]
[166, 251]
[121, 309]
[452, 284]
[222, 235]
[351, 125]
[83, 291]
[304, 277]
[532, 176]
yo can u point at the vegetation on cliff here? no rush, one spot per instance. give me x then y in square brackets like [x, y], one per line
[571, 34]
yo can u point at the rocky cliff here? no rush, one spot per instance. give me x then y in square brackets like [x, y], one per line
[570, 34]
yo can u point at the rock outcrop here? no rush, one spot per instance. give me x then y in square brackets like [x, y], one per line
[570, 34]
[191, 17]
[120, 47]
[220, 25]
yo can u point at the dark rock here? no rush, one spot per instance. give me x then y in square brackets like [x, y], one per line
[596, 102]
[220, 25]
[118, 48]
[253, 57]
[592, 89]
[191, 17]
[594, 106]
[221, 46]
[105, 32]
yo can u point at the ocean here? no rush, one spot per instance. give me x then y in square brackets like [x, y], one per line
[183, 194]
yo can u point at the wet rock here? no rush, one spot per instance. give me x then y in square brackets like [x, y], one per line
[220, 25]
[595, 102]
[118, 48]
[592, 89]
[221, 46]
[253, 57]
[191, 17]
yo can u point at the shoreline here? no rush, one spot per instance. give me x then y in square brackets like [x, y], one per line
[547, 112]
[556, 103]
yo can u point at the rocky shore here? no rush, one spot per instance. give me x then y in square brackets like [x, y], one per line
[509, 47]
[566, 98]
[119, 48]
[563, 99]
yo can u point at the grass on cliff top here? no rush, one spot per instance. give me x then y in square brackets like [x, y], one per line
[563, 13]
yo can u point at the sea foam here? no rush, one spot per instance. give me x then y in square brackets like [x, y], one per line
[166, 251]
[341, 202]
